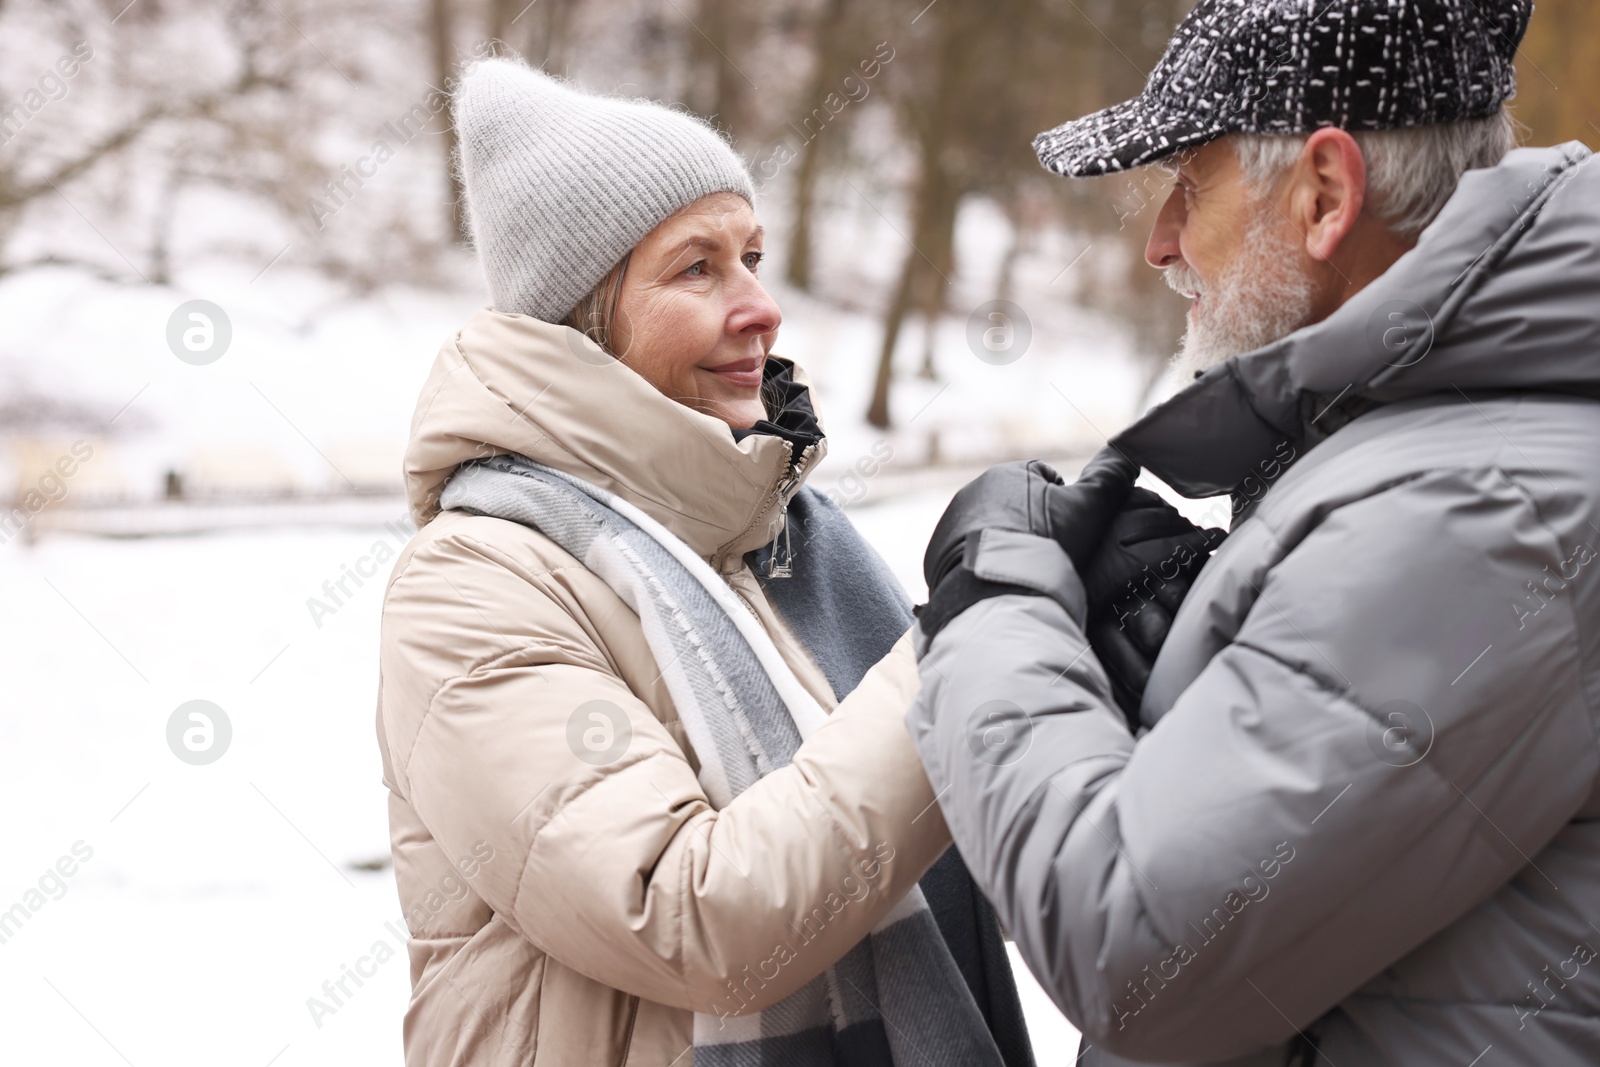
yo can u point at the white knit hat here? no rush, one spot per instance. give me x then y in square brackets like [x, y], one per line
[561, 184]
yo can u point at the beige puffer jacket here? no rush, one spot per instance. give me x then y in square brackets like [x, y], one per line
[568, 913]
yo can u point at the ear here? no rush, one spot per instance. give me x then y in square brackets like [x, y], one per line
[1330, 187]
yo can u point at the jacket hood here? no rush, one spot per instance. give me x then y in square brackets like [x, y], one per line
[1501, 292]
[510, 383]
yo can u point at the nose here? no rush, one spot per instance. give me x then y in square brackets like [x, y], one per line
[754, 311]
[1162, 248]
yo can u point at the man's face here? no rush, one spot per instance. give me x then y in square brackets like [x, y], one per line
[1229, 247]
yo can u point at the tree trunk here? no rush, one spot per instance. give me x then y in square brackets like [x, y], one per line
[928, 262]
[440, 28]
[501, 12]
[538, 32]
[1005, 282]
[717, 32]
[937, 241]
[939, 123]
[797, 270]
[894, 317]
[551, 37]
[829, 63]
[931, 258]
[160, 272]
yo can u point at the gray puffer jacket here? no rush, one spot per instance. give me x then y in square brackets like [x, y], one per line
[1364, 816]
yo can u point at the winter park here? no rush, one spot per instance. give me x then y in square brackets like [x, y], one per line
[1016, 533]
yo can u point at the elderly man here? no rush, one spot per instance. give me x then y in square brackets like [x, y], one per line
[1355, 816]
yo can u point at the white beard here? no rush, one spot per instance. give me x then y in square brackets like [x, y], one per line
[1259, 298]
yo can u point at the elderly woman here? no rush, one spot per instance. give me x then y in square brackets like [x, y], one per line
[652, 796]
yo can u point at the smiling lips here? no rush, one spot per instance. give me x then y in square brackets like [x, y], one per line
[741, 373]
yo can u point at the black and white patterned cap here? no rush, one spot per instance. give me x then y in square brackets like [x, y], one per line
[1292, 66]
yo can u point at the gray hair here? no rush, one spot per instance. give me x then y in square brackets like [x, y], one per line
[1411, 172]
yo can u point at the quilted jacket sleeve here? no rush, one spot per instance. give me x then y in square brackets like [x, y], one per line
[608, 855]
[1338, 784]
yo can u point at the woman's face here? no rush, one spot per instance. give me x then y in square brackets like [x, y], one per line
[693, 319]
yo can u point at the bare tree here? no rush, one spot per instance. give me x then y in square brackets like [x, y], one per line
[925, 270]
[442, 37]
[721, 89]
[832, 33]
[502, 15]
[540, 32]
[985, 79]
[948, 117]
[22, 185]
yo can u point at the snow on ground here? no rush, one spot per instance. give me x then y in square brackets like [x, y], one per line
[304, 396]
[218, 898]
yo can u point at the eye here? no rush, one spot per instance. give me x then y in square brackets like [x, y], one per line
[753, 259]
[695, 269]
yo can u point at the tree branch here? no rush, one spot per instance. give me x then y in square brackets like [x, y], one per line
[205, 105]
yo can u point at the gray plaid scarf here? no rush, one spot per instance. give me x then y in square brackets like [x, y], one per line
[897, 997]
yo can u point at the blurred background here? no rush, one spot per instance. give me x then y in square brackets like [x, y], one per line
[230, 248]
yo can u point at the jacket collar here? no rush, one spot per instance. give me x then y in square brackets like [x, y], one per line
[511, 383]
[1498, 294]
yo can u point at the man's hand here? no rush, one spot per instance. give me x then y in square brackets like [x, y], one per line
[1135, 584]
[1024, 497]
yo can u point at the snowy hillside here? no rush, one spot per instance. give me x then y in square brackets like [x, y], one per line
[313, 394]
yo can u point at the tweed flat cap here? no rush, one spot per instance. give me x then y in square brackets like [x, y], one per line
[1292, 66]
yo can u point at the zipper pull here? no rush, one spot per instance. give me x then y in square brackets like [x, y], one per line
[781, 563]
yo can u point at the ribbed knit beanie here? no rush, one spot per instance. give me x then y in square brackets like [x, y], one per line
[561, 184]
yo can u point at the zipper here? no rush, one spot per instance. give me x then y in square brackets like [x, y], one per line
[784, 482]
[627, 1037]
[781, 563]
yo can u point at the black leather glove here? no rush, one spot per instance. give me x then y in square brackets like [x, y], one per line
[1024, 497]
[1135, 584]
